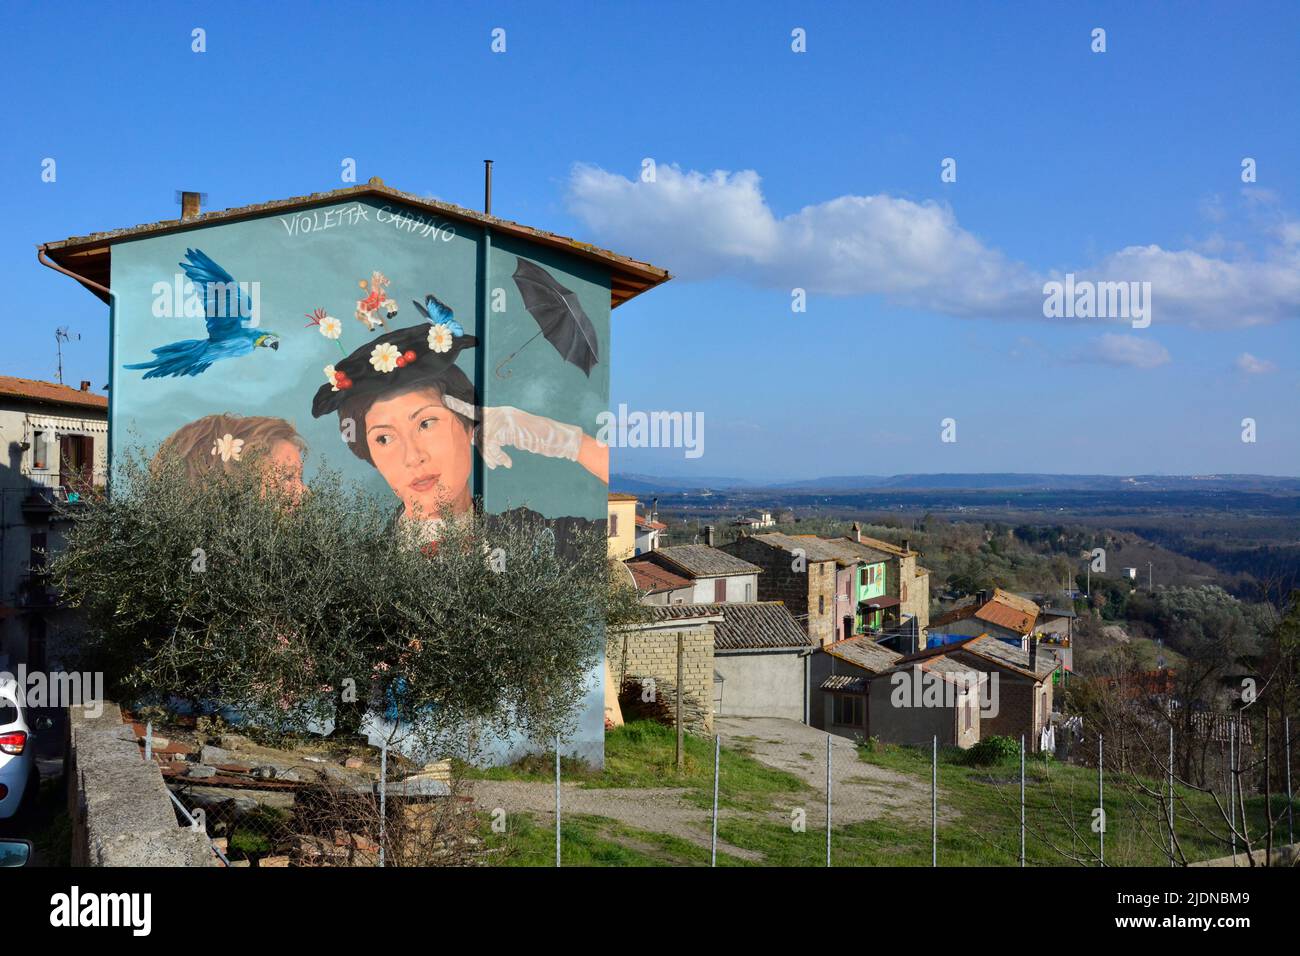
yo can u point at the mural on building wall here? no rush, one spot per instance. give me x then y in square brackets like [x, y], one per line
[396, 383]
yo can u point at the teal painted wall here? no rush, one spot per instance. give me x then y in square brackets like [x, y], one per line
[316, 259]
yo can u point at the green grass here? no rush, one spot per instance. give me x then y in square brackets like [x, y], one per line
[642, 754]
[978, 805]
[587, 841]
[1059, 802]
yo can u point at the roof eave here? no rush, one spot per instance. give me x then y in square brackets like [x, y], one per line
[90, 256]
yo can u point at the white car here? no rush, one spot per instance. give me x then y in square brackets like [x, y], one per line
[16, 751]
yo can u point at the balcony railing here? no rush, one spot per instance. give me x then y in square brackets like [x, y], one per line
[46, 489]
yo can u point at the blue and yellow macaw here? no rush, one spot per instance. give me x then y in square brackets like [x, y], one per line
[227, 311]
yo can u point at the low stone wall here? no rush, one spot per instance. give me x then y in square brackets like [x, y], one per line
[120, 811]
[651, 654]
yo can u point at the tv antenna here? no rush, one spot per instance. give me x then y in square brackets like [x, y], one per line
[61, 335]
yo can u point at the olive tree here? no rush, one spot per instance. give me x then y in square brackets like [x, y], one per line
[305, 609]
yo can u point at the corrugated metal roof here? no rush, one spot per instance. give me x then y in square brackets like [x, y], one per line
[748, 626]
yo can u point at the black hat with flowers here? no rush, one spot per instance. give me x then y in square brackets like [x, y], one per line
[397, 361]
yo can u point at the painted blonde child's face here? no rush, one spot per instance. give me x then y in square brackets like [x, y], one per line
[422, 449]
[284, 462]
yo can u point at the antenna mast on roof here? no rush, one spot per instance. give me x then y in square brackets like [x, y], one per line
[61, 335]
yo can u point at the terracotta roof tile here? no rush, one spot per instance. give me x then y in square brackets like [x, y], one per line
[34, 390]
[653, 579]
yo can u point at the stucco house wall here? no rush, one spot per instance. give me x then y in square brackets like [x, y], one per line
[761, 683]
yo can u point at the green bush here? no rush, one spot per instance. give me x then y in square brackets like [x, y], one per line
[993, 750]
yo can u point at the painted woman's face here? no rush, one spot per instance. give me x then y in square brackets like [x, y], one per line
[423, 451]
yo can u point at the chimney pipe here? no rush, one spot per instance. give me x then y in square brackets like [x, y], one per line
[487, 187]
[708, 535]
[191, 205]
[905, 546]
[1033, 654]
[654, 509]
[85, 386]
[857, 532]
[982, 596]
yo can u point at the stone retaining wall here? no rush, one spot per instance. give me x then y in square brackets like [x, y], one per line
[120, 811]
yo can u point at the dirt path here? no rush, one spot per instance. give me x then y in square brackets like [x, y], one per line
[660, 810]
[859, 791]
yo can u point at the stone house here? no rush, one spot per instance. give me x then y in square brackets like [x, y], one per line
[799, 572]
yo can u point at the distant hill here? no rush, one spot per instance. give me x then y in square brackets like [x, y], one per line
[649, 484]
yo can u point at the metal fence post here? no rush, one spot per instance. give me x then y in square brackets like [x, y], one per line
[1232, 787]
[681, 741]
[1022, 799]
[934, 801]
[717, 759]
[1286, 744]
[383, 798]
[1172, 860]
[828, 799]
[557, 799]
[1101, 802]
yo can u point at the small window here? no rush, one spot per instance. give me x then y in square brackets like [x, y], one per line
[613, 526]
[749, 591]
[821, 604]
[847, 709]
[39, 451]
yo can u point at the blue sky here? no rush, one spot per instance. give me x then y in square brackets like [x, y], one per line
[774, 170]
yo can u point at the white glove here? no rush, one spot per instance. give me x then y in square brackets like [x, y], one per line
[505, 426]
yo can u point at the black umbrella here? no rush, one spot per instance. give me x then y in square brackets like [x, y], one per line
[558, 313]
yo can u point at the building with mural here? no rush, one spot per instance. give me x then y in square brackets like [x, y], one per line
[436, 355]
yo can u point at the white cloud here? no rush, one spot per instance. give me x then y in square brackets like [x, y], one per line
[1134, 351]
[703, 225]
[1250, 365]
